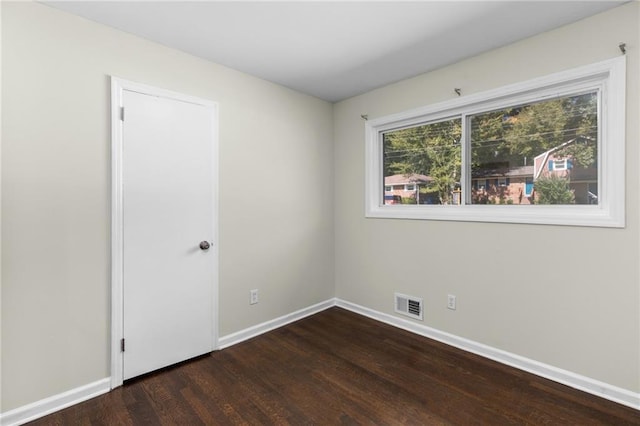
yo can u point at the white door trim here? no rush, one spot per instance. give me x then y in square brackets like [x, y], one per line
[118, 86]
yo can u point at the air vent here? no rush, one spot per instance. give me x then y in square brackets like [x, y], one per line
[409, 306]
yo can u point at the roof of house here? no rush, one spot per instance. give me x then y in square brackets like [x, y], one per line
[584, 174]
[545, 155]
[404, 179]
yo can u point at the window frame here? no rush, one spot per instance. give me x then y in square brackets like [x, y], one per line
[560, 165]
[608, 78]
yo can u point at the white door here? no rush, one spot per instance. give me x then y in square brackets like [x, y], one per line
[168, 211]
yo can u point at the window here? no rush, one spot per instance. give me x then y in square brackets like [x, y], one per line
[410, 187]
[562, 164]
[387, 188]
[550, 150]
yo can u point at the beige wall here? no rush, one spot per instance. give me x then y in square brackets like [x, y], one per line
[565, 296]
[276, 193]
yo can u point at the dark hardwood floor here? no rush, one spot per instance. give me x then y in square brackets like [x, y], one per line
[338, 367]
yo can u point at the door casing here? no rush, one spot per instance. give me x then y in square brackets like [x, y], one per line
[118, 86]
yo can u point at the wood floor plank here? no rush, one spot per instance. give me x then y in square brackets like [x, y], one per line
[340, 368]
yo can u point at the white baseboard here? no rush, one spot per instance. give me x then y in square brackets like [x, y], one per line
[63, 400]
[54, 403]
[58, 402]
[577, 381]
[256, 330]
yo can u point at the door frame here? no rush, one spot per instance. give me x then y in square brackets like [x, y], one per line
[118, 86]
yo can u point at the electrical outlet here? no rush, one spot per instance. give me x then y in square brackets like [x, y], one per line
[254, 297]
[451, 301]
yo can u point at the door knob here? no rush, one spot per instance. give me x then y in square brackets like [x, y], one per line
[204, 245]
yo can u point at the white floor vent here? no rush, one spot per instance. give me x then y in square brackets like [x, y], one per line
[409, 306]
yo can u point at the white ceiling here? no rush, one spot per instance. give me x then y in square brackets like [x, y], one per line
[334, 50]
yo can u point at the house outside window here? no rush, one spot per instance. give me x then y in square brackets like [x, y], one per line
[407, 189]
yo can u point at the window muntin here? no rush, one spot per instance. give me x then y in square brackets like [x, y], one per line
[605, 192]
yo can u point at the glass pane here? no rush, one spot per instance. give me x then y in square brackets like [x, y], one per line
[422, 164]
[540, 153]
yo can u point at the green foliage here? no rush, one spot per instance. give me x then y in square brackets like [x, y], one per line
[432, 150]
[408, 200]
[515, 136]
[537, 128]
[582, 152]
[554, 189]
[582, 123]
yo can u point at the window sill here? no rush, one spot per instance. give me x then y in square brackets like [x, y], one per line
[583, 215]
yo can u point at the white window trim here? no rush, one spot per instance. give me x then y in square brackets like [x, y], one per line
[561, 163]
[608, 77]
